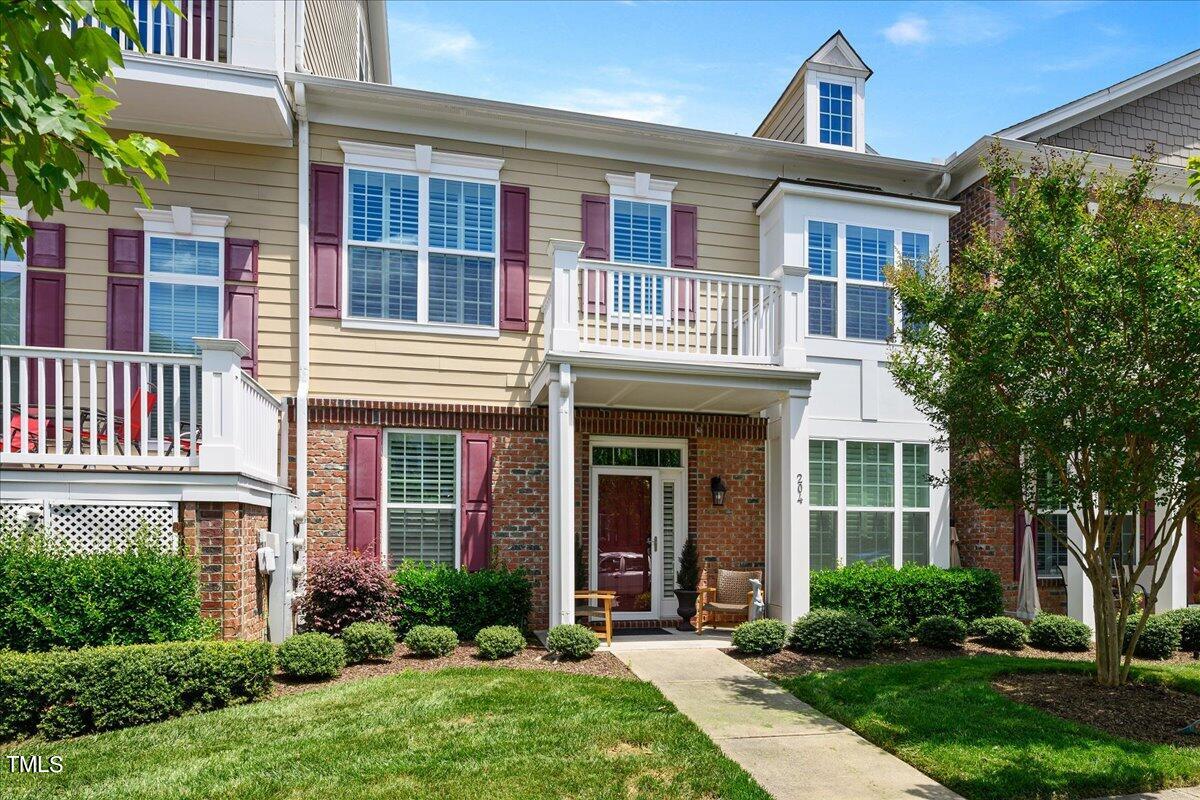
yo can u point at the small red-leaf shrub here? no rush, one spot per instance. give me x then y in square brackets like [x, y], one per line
[344, 588]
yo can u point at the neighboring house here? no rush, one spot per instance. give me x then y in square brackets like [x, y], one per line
[476, 332]
[1157, 111]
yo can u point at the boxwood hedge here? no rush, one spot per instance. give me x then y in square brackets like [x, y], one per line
[907, 595]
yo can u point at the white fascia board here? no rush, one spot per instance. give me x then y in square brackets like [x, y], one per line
[1097, 103]
[783, 189]
[125, 487]
[421, 158]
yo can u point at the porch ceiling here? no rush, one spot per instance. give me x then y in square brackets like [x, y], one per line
[609, 382]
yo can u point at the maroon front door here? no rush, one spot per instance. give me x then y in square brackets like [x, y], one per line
[623, 545]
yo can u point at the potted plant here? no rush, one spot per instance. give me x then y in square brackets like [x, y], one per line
[686, 578]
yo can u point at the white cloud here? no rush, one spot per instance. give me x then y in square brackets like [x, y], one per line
[908, 30]
[423, 41]
[642, 106]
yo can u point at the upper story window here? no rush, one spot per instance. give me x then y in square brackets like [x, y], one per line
[12, 309]
[822, 262]
[422, 238]
[868, 302]
[837, 113]
[641, 234]
[914, 247]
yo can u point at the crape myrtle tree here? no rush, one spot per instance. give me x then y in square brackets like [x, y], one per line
[1061, 359]
[54, 106]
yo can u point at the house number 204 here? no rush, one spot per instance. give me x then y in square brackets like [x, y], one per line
[799, 487]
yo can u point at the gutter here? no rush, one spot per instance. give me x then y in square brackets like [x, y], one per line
[302, 300]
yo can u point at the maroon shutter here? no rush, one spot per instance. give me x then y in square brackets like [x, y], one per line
[683, 256]
[363, 451]
[476, 500]
[514, 258]
[125, 251]
[241, 322]
[595, 228]
[47, 247]
[325, 231]
[124, 317]
[45, 316]
[1148, 525]
[241, 260]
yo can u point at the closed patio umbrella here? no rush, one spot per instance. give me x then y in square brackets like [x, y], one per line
[1028, 605]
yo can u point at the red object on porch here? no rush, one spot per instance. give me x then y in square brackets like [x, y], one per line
[623, 540]
[476, 500]
[140, 409]
[363, 452]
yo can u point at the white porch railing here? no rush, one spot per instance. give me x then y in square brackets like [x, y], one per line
[676, 314]
[201, 31]
[102, 408]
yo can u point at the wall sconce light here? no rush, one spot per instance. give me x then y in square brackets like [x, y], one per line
[718, 490]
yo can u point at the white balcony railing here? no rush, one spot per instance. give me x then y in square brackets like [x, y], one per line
[675, 314]
[202, 30]
[103, 408]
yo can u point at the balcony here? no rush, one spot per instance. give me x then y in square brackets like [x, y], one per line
[213, 70]
[664, 338]
[121, 412]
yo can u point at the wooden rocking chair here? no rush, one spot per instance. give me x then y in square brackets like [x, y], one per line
[732, 596]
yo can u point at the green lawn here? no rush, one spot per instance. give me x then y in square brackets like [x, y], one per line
[455, 733]
[944, 718]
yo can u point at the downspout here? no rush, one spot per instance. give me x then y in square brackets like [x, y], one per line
[942, 186]
[302, 319]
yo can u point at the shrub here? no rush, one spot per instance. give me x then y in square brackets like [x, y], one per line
[468, 602]
[347, 587]
[893, 634]
[760, 637]
[838, 633]
[67, 693]
[1189, 628]
[1160, 637]
[368, 641]
[1059, 633]
[500, 641]
[51, 598]
[572, 641]
[884, 594]
[431, 640]
[1005, 632]
[942, 632]
[312, 656]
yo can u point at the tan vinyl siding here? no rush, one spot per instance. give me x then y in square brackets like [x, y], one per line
[460, 369]
[1168, 119]
[255, 186]
[331, 37]
[786, 120]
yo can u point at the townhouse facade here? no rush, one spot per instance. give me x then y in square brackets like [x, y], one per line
[476, 333]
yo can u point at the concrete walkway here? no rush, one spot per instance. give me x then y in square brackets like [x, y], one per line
[790, 748]
[1188, 793]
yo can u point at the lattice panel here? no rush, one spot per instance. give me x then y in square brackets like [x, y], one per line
[94, 528]
[15, 517]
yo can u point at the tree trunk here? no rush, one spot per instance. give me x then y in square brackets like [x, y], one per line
[1108, 638]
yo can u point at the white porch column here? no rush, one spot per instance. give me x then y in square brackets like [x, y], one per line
[563, 330]
[1173, 593]
[562, 496]
[788, 526]
[793, 315]
[1080, 603]
[221, 417]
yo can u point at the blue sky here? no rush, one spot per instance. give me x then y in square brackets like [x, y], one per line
[945, 73]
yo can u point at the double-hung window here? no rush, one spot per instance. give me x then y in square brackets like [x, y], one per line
[1051, 544]
[823, 511]
[836, 113]
[640, 235]
[421, 483]
[870, 500]
[914, 517]
[868, 301]
[822, 263]
[183, 301]
[12, 307]
[421, 246]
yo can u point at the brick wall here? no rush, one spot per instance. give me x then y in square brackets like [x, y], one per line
[730, 446]
[224, 537]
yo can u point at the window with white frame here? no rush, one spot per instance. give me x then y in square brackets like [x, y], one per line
[836, 113]
[1051, 550]
[870, 501]
[12, 309]
[422, 238]
[823, 511]
[640, 235]
[421, 488]
[822, 263]
[914, 519]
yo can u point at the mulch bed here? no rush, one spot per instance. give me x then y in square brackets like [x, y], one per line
[789, 663]
[1141, 712]
[603, 664]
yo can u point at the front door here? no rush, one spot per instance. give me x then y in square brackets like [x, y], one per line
[624, 544]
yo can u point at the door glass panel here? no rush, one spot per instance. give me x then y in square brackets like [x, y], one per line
[623, 541]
